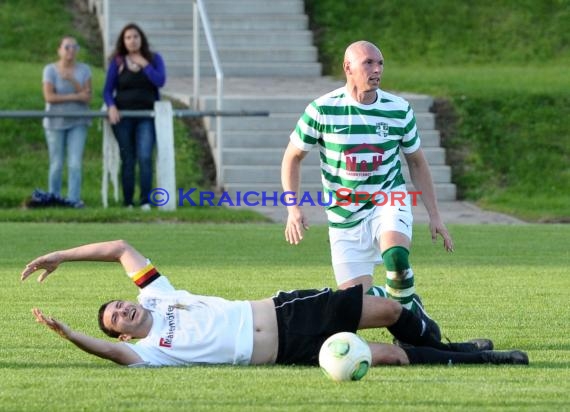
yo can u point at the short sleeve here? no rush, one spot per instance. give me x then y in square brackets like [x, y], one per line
[307, 131]
[145, 276]
[150, 281]
[49, 74]
[411, 138]
[86, 73]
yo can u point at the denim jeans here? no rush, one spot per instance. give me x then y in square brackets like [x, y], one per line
[136, 138]
[57, 141]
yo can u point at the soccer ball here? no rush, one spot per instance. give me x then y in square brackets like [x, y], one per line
[345, 356]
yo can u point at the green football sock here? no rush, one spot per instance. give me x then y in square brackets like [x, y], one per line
[377, 291]
[399, 275]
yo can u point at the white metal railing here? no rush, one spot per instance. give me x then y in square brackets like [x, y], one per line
[92, 114]
[200, 12]
[163, 115]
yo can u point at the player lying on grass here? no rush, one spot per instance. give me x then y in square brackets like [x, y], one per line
[175, 327]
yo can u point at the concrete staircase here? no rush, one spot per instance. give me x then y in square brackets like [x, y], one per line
[269, 63]
[253, 37]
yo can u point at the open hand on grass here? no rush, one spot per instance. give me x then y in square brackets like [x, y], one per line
[60, 328]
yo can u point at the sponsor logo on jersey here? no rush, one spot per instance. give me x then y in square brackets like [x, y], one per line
[360, 166]
[166, 341]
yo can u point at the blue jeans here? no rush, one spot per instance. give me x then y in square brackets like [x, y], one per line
[136, 138]
[57, 140]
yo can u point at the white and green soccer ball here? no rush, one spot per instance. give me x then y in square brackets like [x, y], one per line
[345, 356]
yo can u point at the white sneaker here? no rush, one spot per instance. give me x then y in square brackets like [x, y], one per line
[145, 207]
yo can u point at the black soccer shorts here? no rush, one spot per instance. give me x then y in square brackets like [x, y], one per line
[306, 318]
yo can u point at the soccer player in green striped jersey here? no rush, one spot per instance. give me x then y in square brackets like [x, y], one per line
[360, 131]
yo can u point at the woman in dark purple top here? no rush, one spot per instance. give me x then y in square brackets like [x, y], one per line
[133, 78]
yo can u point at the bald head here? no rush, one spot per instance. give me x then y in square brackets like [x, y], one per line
[363, 66]
[357, 48]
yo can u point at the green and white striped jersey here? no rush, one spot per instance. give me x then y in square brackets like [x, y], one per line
[359, 147]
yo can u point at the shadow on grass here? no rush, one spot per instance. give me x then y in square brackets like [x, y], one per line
[98, 366]
[549, 365]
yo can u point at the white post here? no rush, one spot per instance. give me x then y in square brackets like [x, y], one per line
[165, 162]
[111, 163]
[220, 86]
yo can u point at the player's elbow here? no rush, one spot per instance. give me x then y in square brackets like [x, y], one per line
[121, 244]
[293, 154]
[417, 160]
[120, 247]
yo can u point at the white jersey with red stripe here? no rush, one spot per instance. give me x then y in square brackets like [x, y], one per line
[191, 329]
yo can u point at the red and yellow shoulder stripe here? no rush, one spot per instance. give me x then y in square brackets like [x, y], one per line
[145, 276]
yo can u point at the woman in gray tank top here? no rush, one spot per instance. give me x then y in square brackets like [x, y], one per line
[66, 88]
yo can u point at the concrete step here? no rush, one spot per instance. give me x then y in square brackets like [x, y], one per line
[217, 22]
[290, 103]
[273, 104]
[174, 21]
[149, 7]
[178, 69]
[287, 121]
[419, 102]
[250, 70]
[256, 22]
[247, 7]
[259, 21]
[430, 138]
[240, 39]
[309, 174]
[443, 191]
[271, 156]
[184, 54]
[262, 157]
[244, 7]
[287, 89]
[269, 192]
[279, 139]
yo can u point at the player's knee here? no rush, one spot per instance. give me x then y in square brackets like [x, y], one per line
[389, 311]
[394, 309]
[396, 259]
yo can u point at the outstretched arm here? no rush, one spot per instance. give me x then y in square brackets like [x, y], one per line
[116, 352]
[422, 180]
[113, 251]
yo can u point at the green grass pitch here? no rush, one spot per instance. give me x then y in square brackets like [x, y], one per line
[508, 283]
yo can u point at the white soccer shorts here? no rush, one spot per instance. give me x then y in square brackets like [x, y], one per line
[356, 250]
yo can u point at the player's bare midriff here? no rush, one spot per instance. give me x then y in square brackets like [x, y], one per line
[265, 336]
